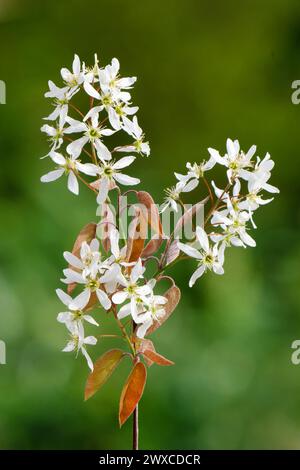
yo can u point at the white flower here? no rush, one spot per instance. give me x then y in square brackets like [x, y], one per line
[132, 128]
[191, 179]
[73, 78]
[56, 134]
[138, 311]
[91, 77]
[235, 160]
[233, 222]
[75, 314]
[172, 197]
[132, 290]
[69, 166]
[156, 312]
[78, 342]
[118, 112]
[252, 201]
[92, 284]
[115, 262]
[89, 257]
[257, 179]
[61, 97]
[118, 255]
[111, 83]
[110, 171]
[209, 258]
[144, 307]
[93, 133]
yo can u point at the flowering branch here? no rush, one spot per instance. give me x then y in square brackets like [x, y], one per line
[108, 272]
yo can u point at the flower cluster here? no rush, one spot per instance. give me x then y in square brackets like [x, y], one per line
[110, 111]
[111, 281]
[233, 210]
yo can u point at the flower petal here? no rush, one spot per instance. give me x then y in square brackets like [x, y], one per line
[198, 273]
[81, 300]
[202, 238]
[119, 297]
[125, 179]
[123, 162]
[52, 175]
[90, 90]
[103, 299]
[73, 185]
[65, 298]
[189, 250]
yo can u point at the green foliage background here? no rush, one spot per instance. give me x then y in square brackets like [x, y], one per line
[206, 70]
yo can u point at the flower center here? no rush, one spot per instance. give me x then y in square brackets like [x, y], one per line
[94, 133]
[61, 102]
[72, 81]
[138, 144]
[119, 110]
[108, 171]
[69, 165]
[75, 339]
[77, 315]
[131, 289]
[172, 194]
[106, 100]
[209, 259]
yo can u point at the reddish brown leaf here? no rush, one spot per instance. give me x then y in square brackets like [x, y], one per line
[132, 391]
[173, 295]
[71, 287]
[136, 237]
[157, 358]
[141, 346]
[103, 368]
[96, 184]
[187, 217]
[151, 247]
[85, 235]
[172, 253]
[152, 216]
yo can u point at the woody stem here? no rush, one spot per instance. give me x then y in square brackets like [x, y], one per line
[135, 429]
[135, 420]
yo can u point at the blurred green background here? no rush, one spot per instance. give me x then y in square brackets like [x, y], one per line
[206, 70]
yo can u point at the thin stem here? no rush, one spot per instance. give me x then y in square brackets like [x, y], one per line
[163, 268]
[94, 157]
[123, 329]
[209, 190]
[76, 109]
[212, 210]
[164, 255]
[86, 183]
[119, 201]
[109, 336]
